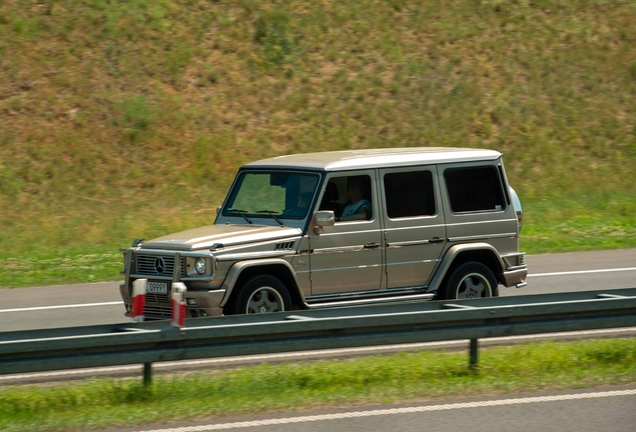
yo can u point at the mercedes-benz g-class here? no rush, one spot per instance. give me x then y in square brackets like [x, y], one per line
[342, 228]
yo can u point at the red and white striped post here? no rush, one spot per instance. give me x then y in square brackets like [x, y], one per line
[178, 304]
[138, 299]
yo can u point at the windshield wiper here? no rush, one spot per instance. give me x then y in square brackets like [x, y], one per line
[271, 213]
[240, 212]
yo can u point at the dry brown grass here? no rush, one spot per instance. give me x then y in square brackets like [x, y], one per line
[123, 119]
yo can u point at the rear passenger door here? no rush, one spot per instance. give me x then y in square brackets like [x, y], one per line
[414, 225]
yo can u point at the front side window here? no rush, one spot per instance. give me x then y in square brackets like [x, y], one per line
[349, 197]
[263, 194]
[409, 194]
[474, 189]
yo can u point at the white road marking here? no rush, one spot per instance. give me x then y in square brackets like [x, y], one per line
[394, 411]
[582, 272]
[62, 306]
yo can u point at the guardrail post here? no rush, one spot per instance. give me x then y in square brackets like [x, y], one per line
[474, 351]
[147, 374]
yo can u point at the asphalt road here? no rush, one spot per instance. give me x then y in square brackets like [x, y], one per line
[100, 303]
[607, 410]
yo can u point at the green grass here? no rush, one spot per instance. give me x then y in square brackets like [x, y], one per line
[426, 375]
[128, 119]
[69, 268]
[579, 223]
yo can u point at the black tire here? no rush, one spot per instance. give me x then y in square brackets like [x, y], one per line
[262, 294]
[470, 280]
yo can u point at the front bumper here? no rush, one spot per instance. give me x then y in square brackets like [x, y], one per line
[159, 306]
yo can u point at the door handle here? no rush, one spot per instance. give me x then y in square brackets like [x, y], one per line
[436, 240]
[371, 246]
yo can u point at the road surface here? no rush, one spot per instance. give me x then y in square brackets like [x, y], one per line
[100, 303]
[606, 410]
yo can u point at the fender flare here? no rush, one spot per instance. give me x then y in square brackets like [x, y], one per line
[453, 253]
[237, 269]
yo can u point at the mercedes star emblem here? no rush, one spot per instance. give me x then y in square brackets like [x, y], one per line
[160, 265]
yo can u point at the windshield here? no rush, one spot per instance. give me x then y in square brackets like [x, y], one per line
[272, 195]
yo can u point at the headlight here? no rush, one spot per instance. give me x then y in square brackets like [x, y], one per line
[201, 265]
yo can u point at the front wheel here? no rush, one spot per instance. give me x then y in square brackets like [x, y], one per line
[470, 280]
[262, 294]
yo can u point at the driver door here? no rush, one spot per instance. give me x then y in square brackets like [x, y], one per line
[347, 257]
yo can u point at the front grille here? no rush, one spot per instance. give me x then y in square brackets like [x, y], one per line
[154, 312]
[158, 306]
[158, 299]
[157, 265]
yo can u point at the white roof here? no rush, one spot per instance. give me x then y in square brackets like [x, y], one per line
[375, 158]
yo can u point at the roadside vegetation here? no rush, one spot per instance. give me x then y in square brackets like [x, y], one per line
[426, 375]
[128, 119]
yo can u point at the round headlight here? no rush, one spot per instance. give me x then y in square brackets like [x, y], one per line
[200, 265]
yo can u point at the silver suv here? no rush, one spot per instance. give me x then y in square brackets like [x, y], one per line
[342, 228]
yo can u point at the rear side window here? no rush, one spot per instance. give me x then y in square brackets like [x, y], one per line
[409, 194]
[474, 189]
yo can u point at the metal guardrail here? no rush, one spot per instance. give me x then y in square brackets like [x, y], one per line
[418, 321]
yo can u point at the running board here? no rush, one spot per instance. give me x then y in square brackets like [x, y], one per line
[405, 299]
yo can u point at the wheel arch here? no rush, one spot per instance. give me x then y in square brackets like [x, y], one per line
[242, 271]
[459, 254]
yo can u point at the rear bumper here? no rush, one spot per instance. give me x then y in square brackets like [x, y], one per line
[515, 277]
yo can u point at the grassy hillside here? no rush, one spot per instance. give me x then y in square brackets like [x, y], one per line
[124, 119]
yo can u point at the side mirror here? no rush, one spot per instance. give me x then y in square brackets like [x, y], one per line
[324, 218]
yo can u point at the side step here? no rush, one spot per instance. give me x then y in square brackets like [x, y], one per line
[370, 301]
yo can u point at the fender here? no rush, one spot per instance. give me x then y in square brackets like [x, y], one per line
[453, 253]
[237, 269]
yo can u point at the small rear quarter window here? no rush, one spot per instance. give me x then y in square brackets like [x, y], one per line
[474, 189]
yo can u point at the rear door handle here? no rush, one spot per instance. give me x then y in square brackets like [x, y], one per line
[371, 246]
[436, 240]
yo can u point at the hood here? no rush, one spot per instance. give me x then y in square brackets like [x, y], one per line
[228, 235]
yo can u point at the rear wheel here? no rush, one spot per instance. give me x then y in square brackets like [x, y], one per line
[262, 294]
[470, 280]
